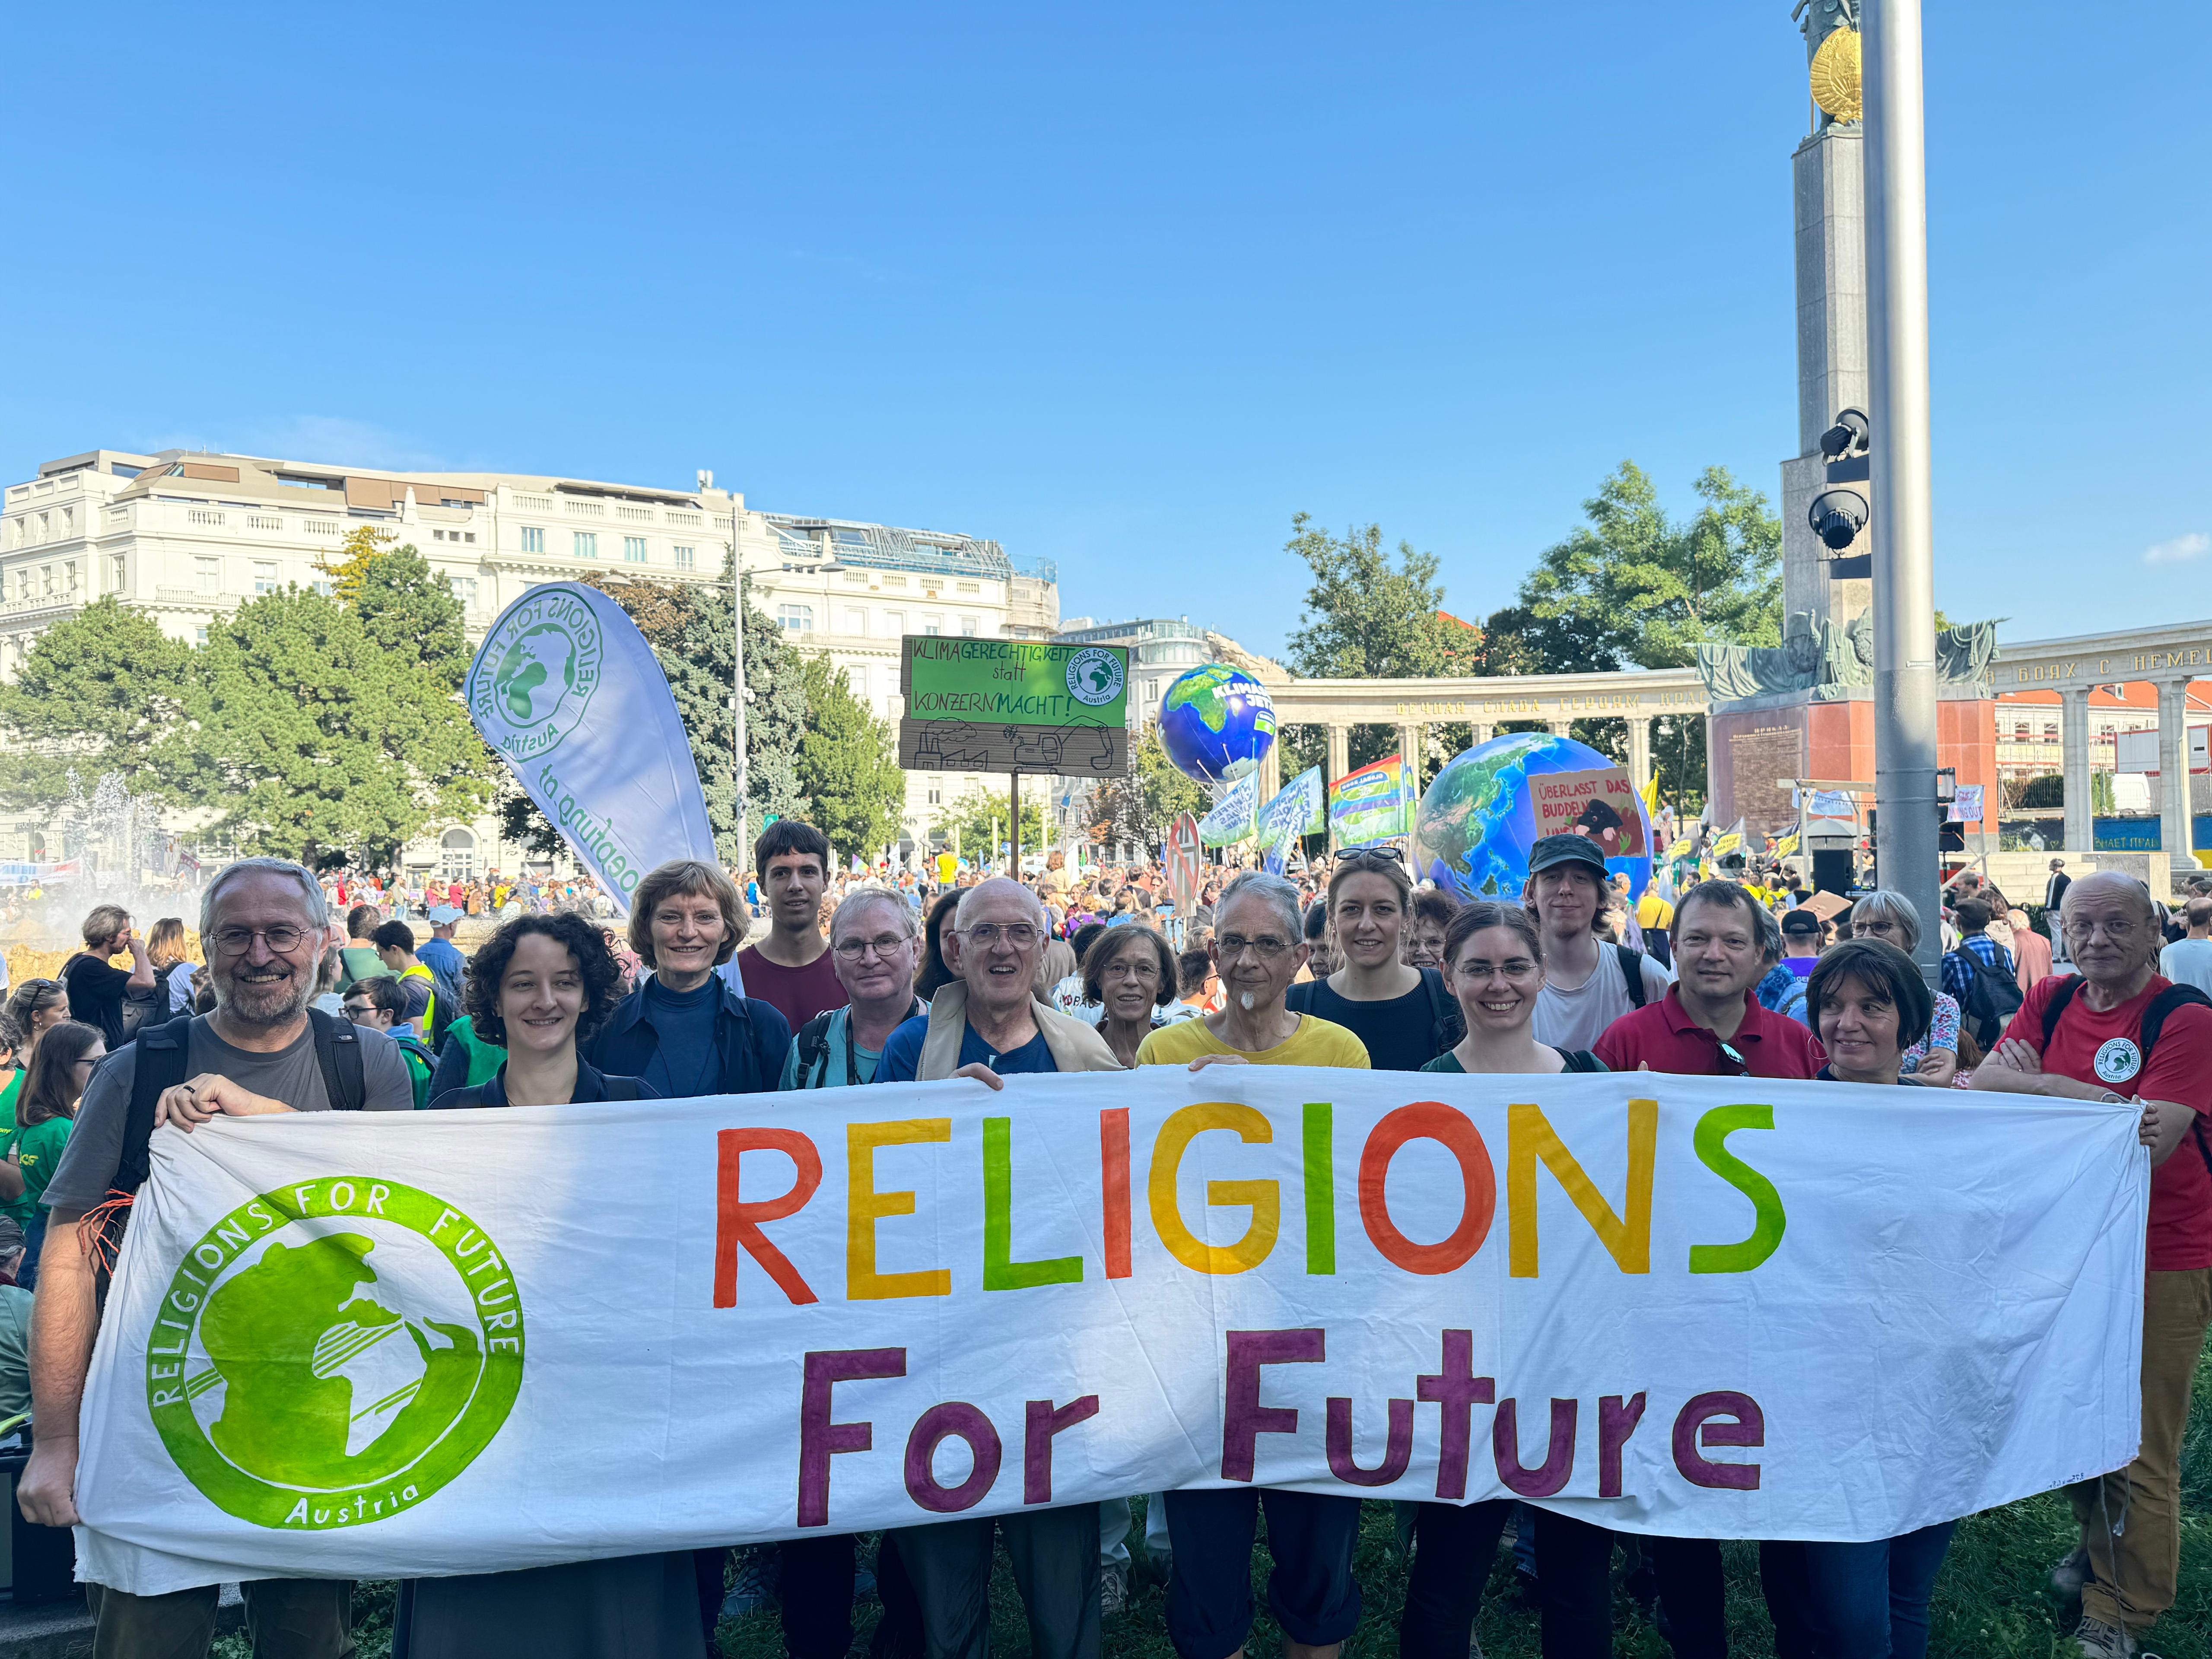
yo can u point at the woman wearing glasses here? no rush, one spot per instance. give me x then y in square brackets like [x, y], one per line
[1892, 918]
[1494, 962]
[1403, 1014]
[1129, 977]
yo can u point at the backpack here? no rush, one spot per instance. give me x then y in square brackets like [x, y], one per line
[1992, 997]
[812, 1043]
[2154, 1021]
[1632, 970]
[446, 1008]
[138, 1005]
[1447, 1024]
[163, 1051]
[411, 1047]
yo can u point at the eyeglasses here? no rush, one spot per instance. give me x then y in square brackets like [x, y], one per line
[1266, 947]
[237, 941]
[1729, 1052]
[1019, 934]
[360, 1012]
[852, 950]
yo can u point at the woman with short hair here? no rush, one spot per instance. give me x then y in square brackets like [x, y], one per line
[1887, 916]
[1129, 977]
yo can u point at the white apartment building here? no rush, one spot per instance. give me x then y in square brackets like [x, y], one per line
[190, 536]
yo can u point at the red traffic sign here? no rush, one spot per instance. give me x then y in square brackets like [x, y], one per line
[1186, 861]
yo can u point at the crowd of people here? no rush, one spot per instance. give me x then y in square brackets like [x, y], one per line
[861, 978]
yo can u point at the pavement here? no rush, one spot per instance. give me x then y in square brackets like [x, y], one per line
[62, 1629]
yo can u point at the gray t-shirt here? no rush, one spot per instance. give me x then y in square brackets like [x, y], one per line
[1577, 1018]
[292, 1075]
[2188, 961]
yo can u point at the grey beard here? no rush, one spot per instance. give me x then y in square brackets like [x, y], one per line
[269, 1004]
[1247, 1001]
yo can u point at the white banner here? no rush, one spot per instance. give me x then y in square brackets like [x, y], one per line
[370, 1344]
[571, 694]
[1233, 818]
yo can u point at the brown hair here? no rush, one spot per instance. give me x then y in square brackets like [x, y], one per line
[165, 945]
[103, 922]
[50, 1086]
[1117, 941]
[1434, 904]
[1485, 913]
[1362, 862]
[931, 975]
[690, 878]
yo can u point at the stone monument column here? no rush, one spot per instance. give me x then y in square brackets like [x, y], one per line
[2074, 752]
[1639, 752]
[2174, 814]
[1339, 753]
[1482, 733]
[1271, 770]
[1560, 728]
[1410, 740]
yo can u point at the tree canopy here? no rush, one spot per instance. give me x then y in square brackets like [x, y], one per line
[1142, 805]
[97, 692]
[848, 770]
[1367, 617]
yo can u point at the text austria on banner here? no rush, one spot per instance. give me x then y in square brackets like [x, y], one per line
[369, 1345]
[569, 693]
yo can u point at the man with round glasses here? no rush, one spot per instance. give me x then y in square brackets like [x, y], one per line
[262, 1050]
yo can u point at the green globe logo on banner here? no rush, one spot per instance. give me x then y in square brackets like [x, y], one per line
[1094, 678]
[535, 675]
[333, 1353]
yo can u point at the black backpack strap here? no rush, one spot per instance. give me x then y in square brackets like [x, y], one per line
[813, 1042]
[163, 1054]
[1447, 1025]
[2155, 1017]
[1632, 970]
[2059, 998]
[338, 1050]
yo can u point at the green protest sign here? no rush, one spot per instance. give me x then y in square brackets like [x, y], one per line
[976, 705]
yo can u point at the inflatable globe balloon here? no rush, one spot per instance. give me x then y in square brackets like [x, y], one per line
[1476, 821]
[1216, 722]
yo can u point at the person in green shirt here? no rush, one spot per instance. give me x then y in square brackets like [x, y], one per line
[381, 1004]
[11, 1046]
[45, 1111]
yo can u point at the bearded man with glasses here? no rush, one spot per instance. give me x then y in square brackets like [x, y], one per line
[262, 1050]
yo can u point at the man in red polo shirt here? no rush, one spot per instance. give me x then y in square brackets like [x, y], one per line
[2095, 1050]
[1709, 1024]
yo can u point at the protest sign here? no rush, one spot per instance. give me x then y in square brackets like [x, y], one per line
[1186, 863]
[376, 1345]
[1234, 815]
[1599, 803]
[568, 692]
[1371, 804]
[1294, 811]
[979, 705]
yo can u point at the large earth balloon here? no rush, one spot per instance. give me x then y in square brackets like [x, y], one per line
[1476, 823]
[1216, 722]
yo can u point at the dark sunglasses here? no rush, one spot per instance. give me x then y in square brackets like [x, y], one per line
[1377, 854]
[1729, 1052]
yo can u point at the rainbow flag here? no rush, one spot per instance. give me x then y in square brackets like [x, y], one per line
[1371, 805]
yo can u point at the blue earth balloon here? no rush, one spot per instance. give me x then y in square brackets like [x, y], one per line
[1476, 821]
[1216, 722]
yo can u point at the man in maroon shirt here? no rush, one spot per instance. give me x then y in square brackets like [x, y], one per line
[1709, 1023]
[2089, 1038]
[791, 970]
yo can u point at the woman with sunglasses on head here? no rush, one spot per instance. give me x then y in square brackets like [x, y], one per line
[45, 1111]
[538, 985]
[1403, 1014]
[1494, 963]
[1890, 918]
[38, 1006]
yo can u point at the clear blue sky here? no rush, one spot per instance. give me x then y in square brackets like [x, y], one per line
[1126, 290]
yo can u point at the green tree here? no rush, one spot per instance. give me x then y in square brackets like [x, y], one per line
[411, 610]
[1141, 804]
[316, 741]
[1634, 588]
[981, 808]
[849, 772]
[99, 691]
[348, 568]
[1366, 618]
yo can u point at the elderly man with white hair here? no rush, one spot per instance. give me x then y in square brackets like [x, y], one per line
[2120, 1034]
[262, 1050]
[986, 1024]
[874, 942]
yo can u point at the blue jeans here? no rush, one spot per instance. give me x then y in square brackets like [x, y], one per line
[1871, 1600]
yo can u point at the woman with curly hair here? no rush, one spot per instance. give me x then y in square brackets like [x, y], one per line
[539, 983]
[539, 986]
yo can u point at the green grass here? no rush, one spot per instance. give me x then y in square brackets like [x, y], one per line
[1991, 1602]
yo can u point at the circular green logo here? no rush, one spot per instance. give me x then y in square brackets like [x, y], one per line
[535, 673]
[333, 1353]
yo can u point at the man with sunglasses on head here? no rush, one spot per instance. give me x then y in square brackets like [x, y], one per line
[1711, 1024]
[262, 1050]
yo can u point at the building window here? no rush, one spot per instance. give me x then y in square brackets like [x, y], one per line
[633, 549]
[893, 625]
[457, 855]
[587, 543]
[264, 578]
[795, 618]
[686, 558]
[465, 590]
[199, 637]
[116, 568]
[968, 627]
[533, 539]
[207, 575]
[932, 623]
[856, 621]
[324, 587]
[471, 537]
[46, 579]
[69, 576]
[437, 535]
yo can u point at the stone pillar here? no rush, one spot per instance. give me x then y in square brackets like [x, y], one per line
[2173, 816]
[1271, 770]
[1560, 728]
[1339, 753]
[1482, 733]
[1410, 738]
[2074, 750]
[1639, 752]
